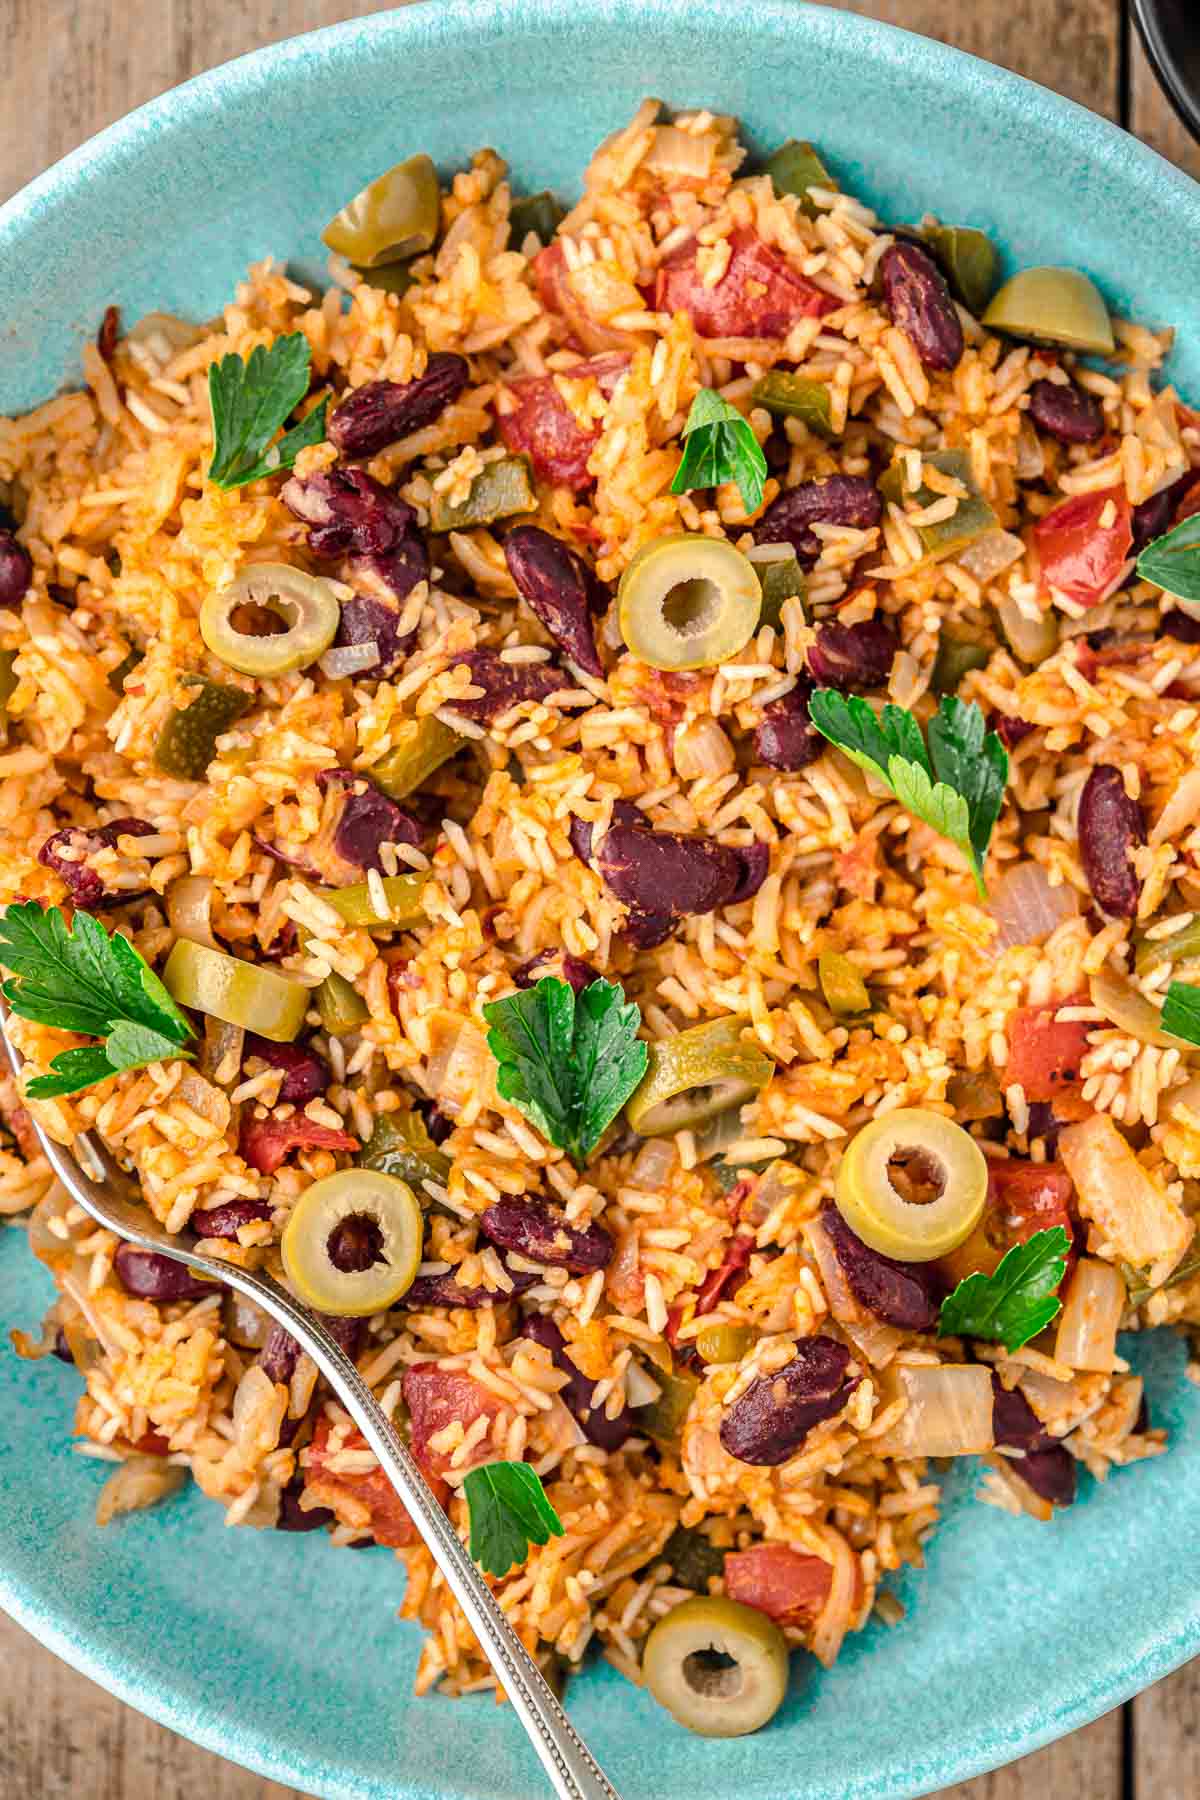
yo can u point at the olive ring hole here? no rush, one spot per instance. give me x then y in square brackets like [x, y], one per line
[917, 1176]
[269, 618]
[693, 606]
[712, 1675]
[355, 1244]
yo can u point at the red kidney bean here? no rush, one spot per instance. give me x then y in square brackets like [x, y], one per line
[1181, 626]
[835, 500]
[919, 302]
[559, 590]
[660, 870]
[542, 1235]
[305, 1073]
[853, 657]
[755, 861]
[770, 1421]
[596, 1426]
[279, 1355]
[1045, 1125]
[381, 412]
[647, 930]
[383, 581]
[1066, 412]
[443, 1290]
[1110, 826]
[785, 737]
[225, 1221]
[293, 1517]
[152, 1276]
[108, 331]
[348, 512]
[1047, 1466]
[366, 819]
[624, 812]
[86, 888]
[899, 1293]
[572, 969]
[16, 570]
[1009, 729]
[505, 684]
[62, 1348]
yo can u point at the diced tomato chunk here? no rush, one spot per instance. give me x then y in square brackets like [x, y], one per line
[1023, 1197]
[1080, 556]
[729, 1277]
[1044, 1051]
[787, 1585]
[544, 428]
[557, 295]
[347, 1495]
[152, 1443]
[760, 295]
[437, 1397]
[265, 1142]
[1189, 505]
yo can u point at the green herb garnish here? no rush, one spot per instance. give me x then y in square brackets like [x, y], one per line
[84, 980]
[568, 1062]
[1015, 1303]
[719, 445]
[1181, 1011]
[250, 401]
[1172, 562]
[956, 785]
[509, 1511]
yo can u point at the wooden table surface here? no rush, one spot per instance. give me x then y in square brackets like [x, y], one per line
[70, 67]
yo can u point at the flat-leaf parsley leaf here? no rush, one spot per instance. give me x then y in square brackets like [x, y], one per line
[1017, 1301]
[250, 401]
[509, 1511]
[1181, 1011]
[87, 981]
[568, 1062]
[719, 445]
[1172, 562]
[955, 784]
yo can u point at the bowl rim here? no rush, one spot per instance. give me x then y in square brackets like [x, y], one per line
[119, 147]
[1148, 16]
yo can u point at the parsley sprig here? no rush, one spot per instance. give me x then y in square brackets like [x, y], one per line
[250, 401]
[956, 785]
[1017, 1301]
[509, 1511]
[568, 1062]
[87, 981]
[719, 445]
[1172, 562]
[1181, 1011]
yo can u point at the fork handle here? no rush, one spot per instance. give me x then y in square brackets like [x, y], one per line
[573, 1770]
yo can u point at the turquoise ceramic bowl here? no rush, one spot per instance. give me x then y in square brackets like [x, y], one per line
[281, 1652]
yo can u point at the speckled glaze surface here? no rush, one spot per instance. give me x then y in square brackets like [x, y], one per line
[281, 1652]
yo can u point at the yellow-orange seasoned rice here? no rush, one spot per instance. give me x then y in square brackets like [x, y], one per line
[107, 483]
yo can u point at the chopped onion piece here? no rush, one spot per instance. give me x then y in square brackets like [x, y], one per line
[204, 1099]
[189, 909]
[1087, 1326]
[676, 152]
[1181, 811]
[1033, 640]
[652, 1164]
[1123, 1006]
[348, 659]
[640, 1389]
[461, 1067]
[949, 1412]
[245, 1324]
[991, 554]
[874, 1339]
[702, 749]
[140, 1481]
[1027, 908]
[1131, 1213]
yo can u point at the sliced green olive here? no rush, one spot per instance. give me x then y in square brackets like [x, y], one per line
[969, 261]
[539, 213]
[842, 984]
[779, 581]
[356, 904]
[691, 1078]
[794, 168]
[353, 1242]
[263, 1000]
[912, 1184]
[725, 1343]
[397, 216]
[126, 666]
[340, 1006]
[1053, 306]
[788, 396]
[688, 602]
[400, 1145]
[500, 489]
[1182, 946]
[420, 747]
[956, 657]
[718, 1667]
[306, 604]
[970, 519]
[188, 741]
[694, 1558]
[393, 278]
[663, 1419]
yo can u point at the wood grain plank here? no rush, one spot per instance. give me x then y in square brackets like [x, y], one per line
[1151, 115]
[1166, 1737]
[71, 67]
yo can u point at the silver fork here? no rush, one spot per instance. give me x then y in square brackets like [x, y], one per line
[103, 1189]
